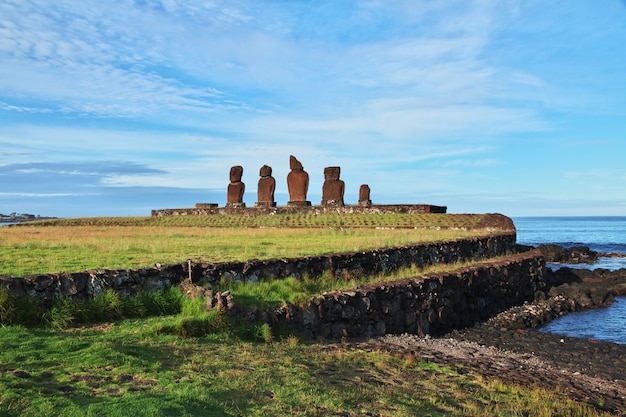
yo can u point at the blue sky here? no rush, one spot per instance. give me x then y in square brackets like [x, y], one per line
[120, 107]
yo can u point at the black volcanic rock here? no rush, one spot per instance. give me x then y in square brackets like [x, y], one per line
[573, 255]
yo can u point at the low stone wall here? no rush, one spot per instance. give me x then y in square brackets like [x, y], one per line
[433, 305]
[359, 263]
[211, 209]
[83, 285]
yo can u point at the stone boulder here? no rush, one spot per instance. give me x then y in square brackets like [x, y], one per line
[573, 255]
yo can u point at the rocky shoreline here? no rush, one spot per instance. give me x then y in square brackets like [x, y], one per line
[587, 371]
[510, 348]
[21, 218]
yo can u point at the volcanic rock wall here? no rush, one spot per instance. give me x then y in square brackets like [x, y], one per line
[432, 305]
[212, 209]
[86, 284]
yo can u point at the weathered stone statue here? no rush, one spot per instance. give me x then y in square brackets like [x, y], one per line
[333, 188]
[297, 183]
[267, 185]
[236, 188]
[364, 195]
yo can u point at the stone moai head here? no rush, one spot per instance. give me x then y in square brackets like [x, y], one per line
[265, 171]
[294, 164]
[331, 173]
[236, 173]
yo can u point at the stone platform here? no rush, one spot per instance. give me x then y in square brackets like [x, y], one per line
[206, 209]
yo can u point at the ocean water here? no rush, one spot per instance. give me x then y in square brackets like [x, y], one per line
[607, 324]
[601, 234]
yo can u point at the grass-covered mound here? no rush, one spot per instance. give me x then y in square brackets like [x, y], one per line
[73, 245]
[186, 361]
[291, 220]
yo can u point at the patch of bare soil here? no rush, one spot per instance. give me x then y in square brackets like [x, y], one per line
[588, 375]
[507, 348]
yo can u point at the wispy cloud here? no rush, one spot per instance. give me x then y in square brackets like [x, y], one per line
[409, 96]
[87, 61]
[78, 168]
[84, 60]
[44, 195]
[59, 177]
[24, 109]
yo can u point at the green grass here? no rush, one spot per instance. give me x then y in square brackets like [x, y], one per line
[308, 220]
[134, 368]
[298, 291]
[73, 245]
[198, 363]
[63, 313]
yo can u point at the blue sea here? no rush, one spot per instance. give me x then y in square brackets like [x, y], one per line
[601, 234]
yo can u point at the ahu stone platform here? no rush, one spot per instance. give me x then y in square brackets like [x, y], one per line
[203, 209]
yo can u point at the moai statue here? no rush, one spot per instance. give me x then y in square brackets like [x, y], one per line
[236, 188]
[333, 188]
[364, 195]
[297, 183]
[267, 185]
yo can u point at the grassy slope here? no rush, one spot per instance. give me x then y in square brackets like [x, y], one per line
[71, 245]
[137, 368]
[130, 368]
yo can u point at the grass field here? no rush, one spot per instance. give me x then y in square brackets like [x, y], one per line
[133, 368]
[73, 245]
[198, 363]
[308, 220]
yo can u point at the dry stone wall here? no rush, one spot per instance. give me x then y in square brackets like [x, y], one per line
[433, 305]
[359, 263]
[212, 209]
[127, 282]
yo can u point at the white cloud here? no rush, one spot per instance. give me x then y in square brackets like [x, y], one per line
[433, 92]
[472, 163]
[44, 195]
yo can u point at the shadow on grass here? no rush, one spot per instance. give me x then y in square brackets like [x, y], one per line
[95, 373]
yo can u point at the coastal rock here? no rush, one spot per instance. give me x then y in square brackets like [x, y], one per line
[573, 255]
[586, 288]
[588, 371]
